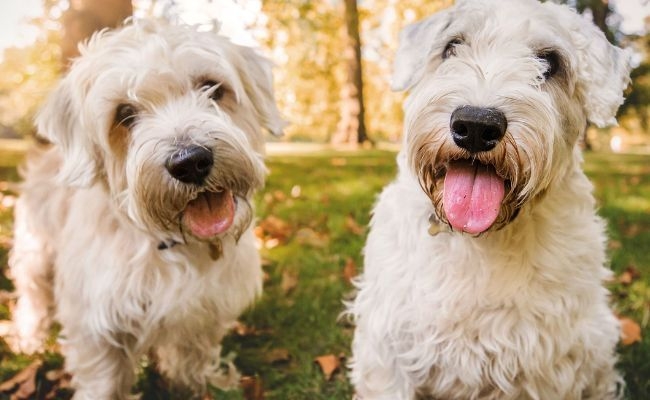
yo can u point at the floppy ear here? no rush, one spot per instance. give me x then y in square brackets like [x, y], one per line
[603, 70]
[59, 122]
[416, 42]
[257, 78]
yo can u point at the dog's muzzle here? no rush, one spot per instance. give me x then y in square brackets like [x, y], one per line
[473, 191]
[212, 212]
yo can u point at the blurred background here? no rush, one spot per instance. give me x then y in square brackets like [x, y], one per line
[333, 57]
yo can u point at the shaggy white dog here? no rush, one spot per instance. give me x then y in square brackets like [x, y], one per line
[135, 227]
[485, 259]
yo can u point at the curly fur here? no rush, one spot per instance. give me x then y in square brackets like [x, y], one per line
[519, 311]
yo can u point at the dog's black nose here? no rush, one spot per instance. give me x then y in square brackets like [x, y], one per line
[190, 164]
[477, 129]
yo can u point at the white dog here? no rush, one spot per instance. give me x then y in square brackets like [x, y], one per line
[137, 222]
[485, 259]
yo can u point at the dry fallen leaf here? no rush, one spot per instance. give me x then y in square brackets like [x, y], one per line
[630, 331]
[289, 281]
[352, 225]
[328, 364]
[338, 161]
[278, 356]
[252, 387]
[25, 380]
[349, 270]
[242, 329]
[279, 196]
[274, 227]
[310, 237]
[614, 245]
[629, 275]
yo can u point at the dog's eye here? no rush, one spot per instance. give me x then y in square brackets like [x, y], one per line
[125, 115]
[215, 90]
[552, 60]
[450, 48]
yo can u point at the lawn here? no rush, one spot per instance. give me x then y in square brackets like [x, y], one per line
[311, 228]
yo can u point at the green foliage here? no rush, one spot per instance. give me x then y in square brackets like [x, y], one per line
[306, 41]
[26, 76]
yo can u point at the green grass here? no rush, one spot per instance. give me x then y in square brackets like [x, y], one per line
[323, 199]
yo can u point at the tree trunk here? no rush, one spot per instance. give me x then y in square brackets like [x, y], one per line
[84, 17]
[352, 127]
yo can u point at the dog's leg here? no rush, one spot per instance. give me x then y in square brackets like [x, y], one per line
[31, 268]
[196, 362]
[374, 371]
[100, 370]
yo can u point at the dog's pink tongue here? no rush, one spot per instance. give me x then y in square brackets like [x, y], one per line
[472, 196]
[210, 214]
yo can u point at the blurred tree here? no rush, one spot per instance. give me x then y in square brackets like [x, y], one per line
[28, 73]
[304, 38]
[307, 40]
[352, 125]
[381, 22]
[84, 17]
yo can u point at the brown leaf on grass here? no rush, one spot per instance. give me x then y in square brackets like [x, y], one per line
[632, 230]
[25, 380]
[252, 387]
[310, 237]
[349, 270]
[325, 199]
[289, 281]
[630, 331]
[274, 227]
[241, 329]
[278, 356]
[329, 364]
[6, 328]
[630, 275]
[614, 245]
[279, 196]
[338, 161]
[61, 381]
[352, 225]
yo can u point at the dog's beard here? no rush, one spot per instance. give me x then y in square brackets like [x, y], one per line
[472, 193]
[173, 210]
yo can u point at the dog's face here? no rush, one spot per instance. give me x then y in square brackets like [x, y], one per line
[500, 92]
[170, 120]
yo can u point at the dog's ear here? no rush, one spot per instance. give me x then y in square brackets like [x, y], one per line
[416, 42]
[59, 122]
[257, 78]
[603, 70]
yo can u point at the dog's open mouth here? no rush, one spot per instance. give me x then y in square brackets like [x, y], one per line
[210, 214]
[473, 193]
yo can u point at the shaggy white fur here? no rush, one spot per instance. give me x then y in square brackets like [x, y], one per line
[485, 260]
[135, 227]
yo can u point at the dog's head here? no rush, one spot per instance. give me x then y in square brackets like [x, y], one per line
[500, 92]
[170, 121]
